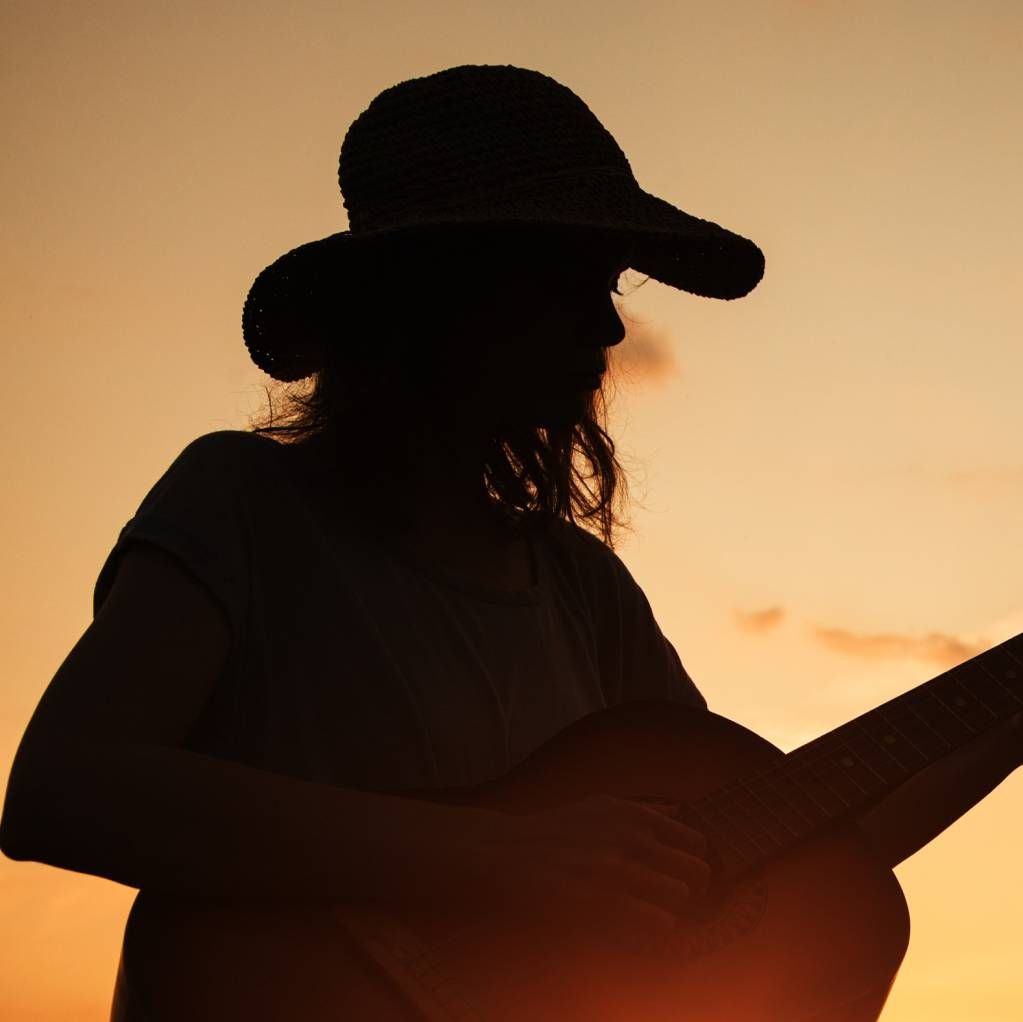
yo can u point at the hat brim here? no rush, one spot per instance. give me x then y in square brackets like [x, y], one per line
[669, 245]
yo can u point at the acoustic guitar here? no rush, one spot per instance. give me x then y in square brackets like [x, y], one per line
[805, 925]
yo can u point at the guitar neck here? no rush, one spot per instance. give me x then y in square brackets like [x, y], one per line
[824, 782]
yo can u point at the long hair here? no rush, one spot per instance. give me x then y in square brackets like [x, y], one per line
[390, 373]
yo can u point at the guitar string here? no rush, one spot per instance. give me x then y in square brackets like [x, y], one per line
[720, 803]
[829, 745]
[732, 803]
[832, 741]
[793, 775]
[906, 698]
[720, 806]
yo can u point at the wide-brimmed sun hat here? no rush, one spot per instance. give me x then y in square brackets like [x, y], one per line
[480, 144]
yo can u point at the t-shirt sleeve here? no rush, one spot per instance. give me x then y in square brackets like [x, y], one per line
[194, 512]
[637, 659]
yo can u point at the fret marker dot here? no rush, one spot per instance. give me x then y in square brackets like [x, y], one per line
[847, 761]
[890, 739]
[960, 701]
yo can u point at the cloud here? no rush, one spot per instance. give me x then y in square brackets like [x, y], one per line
[936, 647]
[759, 620]
[945, 650]
[648, 351]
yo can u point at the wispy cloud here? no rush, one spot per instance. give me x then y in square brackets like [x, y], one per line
[945, 650]
[935, 647]
[759, 620]
[648, 351]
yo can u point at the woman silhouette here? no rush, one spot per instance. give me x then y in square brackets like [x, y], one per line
[390, 590]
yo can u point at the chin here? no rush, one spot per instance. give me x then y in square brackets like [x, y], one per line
[562, 409]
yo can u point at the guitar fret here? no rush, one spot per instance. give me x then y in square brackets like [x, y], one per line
[863, 791]
[1011, 669]
[1015, 702]
[725, 824]
[737, 795]
[751, 830]
[881, 777]
[771, 817]
[783, 795]
[971, 731]
[842, 763]
[800, 782]
[724, 800]
[910, 745]
[954, 694]
[969, 701]
[919, 729]
[739, 832]
[814, 808]
[755, 816]
[884, 745]
[934, 731]
[1013, 673]
[824, 783]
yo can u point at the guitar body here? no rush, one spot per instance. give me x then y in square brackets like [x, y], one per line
[815, 935]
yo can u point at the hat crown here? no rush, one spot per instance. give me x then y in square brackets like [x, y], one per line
[434, 142]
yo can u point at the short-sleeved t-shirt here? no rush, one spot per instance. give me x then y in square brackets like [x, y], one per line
[359, 664]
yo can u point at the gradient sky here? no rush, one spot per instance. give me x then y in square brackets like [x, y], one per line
[830, 460]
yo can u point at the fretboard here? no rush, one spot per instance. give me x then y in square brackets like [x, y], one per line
[758, 816]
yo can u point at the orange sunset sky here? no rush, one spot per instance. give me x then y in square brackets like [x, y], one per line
[830, 467]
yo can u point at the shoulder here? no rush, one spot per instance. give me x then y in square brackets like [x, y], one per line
[228, 450]
[218, 463]
[587, 547]
[586, 557]
[574, 535]
[229, 443]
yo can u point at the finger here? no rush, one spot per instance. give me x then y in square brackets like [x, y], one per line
[673, 831]
[691, 869]
[663, 890]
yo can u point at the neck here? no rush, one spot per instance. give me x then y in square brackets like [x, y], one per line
[445, 497]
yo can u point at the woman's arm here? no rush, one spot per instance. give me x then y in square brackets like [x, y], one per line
[185, 823]
[917, 811]
[103, 784]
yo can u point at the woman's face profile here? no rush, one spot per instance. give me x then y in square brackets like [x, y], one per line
[539, 318]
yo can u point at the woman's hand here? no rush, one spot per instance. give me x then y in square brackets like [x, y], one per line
[611, 863]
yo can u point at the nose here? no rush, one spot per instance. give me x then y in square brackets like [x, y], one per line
[608, 330]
